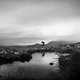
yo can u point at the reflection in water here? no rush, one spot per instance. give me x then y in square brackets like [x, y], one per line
[38, 67]
[43, 54]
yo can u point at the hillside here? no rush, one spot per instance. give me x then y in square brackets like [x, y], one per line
[59, 43]
[50, 44]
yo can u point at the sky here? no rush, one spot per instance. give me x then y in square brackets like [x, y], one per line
[24, 22]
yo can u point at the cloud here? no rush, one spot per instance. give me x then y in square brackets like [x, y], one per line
[34, 20]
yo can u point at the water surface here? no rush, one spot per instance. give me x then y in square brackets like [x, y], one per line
[37, 67]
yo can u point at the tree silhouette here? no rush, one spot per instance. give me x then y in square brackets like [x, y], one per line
[43, 43]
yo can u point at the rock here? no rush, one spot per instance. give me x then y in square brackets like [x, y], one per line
[51, 63]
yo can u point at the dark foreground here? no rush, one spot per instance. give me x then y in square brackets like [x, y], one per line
[69, 65]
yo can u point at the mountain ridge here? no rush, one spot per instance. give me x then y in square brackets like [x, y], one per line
[51, 43]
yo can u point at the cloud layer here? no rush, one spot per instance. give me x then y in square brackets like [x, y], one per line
[30, 21]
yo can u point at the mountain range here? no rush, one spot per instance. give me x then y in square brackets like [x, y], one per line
[50, 44]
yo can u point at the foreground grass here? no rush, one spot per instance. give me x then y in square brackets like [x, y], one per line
[69, 68]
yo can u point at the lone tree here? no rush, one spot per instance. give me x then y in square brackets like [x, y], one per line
[43, 43]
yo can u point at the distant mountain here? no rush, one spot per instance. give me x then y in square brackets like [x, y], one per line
[51, 43]
[59, 43]
[34, 46]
